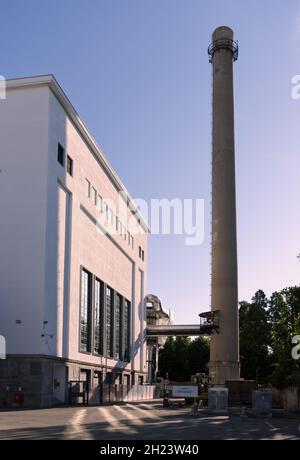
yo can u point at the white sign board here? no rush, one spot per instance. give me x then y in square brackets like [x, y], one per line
[185, 392]
[2, 347]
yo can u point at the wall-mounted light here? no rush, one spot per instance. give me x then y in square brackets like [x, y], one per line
[44, 333]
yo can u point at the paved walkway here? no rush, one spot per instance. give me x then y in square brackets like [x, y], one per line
[131, 421]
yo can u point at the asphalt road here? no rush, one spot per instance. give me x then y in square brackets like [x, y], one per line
[145, 421]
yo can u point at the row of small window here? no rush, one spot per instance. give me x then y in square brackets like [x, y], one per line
[104, 319]
[61, 158]
[114, 220]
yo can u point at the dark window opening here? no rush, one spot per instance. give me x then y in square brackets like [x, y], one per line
[69, 165]
[126, 331]
[118, 306]
[141, 253]
[85, 312]
[98, 318]
[61, 154]
[109, 321]
[105, 319]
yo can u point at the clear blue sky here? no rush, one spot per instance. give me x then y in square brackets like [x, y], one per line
[138, 74]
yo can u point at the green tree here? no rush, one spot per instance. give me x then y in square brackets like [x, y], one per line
[266, 331]
[180, 358]
[255, 339]
[285, 324]
[180, 369]
[166, 357]
[199, 355]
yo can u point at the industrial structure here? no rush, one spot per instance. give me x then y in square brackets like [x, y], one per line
[159, 318]
[73, 286]
[224, 358]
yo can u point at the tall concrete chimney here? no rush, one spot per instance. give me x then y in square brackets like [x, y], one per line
[224, 355]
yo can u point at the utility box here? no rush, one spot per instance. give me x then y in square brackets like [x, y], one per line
[218, 399]
[240, 392]
[262, 403]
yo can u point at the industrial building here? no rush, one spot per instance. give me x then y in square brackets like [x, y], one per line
[74, 306]
[73, 250]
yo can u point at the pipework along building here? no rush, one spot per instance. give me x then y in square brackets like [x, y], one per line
[73, 251]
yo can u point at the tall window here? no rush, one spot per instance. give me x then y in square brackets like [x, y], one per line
[109, 322]
[69, 165]
[85, 312]
[100, 203]
[98, 319]
[126, 330]
[118, 326]
[61, 154]
[111, 217]
[88, 188]
[141, 253]
[94, 196]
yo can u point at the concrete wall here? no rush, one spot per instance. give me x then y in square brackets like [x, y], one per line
[224, 351]
[287, 398]
[124, 393]
[110, 257]
[23, 204]
[33, 377]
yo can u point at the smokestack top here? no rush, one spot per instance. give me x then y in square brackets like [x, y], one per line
[222, 38]
[223, 32]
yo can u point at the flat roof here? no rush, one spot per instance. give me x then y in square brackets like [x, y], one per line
[50, 81]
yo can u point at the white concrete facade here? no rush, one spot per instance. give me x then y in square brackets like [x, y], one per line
[49, 233]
